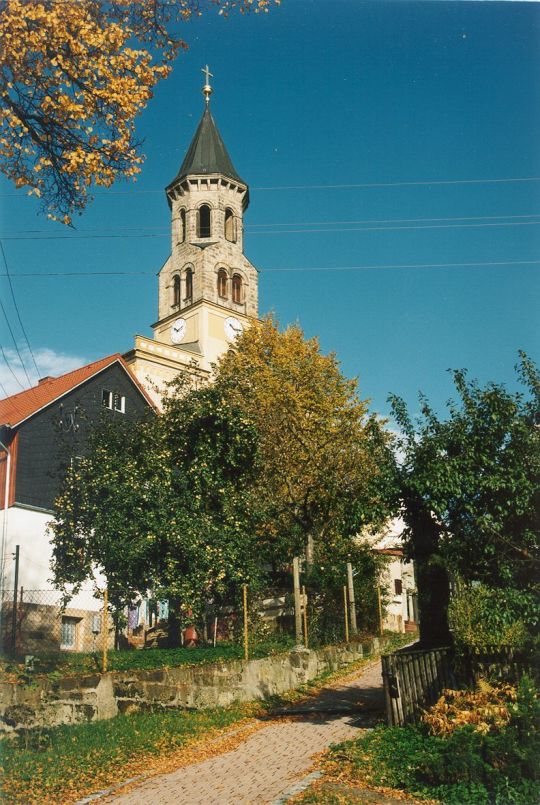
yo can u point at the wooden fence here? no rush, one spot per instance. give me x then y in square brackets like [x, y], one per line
[414, 680]
[495, 663]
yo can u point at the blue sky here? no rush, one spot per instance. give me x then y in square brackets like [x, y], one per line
[320, 99]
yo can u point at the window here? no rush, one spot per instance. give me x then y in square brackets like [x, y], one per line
[114, 401]
[237, 288]
[176, 291]
[182, 227]
[68, 633]
[398, 586]
[222, 283]
[203, 229]
[230, 226]
[189, 284]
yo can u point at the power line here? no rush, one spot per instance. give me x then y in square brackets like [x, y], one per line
[360, 185]
[422, 182]
[394, 220]
[9, 367]
[15, 344]
[17, 308]
[247, 226]
[292, 268]
[395, 228]
[286, 231]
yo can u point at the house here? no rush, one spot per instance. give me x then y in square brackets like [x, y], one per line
[42, 430]
[398, 584]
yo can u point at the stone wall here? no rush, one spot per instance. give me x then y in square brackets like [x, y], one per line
[46, 702]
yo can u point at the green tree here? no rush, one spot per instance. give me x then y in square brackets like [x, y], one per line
[470, 491]
[161, 505]
[325, 462]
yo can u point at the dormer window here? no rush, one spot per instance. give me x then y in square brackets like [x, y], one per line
[176, 291]
[230, 226]
[222, 283]
[203, 222]
[189, 284]
[237, 289]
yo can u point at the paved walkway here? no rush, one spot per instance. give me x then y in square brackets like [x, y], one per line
[268, 762]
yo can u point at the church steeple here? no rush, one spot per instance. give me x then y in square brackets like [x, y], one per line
[207, 153]
[207, 281]
[207, 288]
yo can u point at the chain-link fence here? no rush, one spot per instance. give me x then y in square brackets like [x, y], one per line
[35, 622]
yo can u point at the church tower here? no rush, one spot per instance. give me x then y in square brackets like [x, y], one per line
[208, 290]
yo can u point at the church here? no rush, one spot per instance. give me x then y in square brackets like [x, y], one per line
[207, 288]
[207, 295]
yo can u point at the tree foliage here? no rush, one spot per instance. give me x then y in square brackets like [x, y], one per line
[73, 78]
[232, 479]
[470, 485]
[323, 457]
[160, 505]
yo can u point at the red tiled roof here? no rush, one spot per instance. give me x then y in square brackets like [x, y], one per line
[18, 407]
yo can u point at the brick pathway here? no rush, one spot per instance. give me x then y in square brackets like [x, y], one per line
[270, 761]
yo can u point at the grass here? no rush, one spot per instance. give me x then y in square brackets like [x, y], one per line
[63, 764]
[60, 664]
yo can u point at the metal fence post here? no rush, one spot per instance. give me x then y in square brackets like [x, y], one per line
[304, 602]
[352, 602]
[346, 613]
[15, 594]
[379, 602]
[105, 629]
[246, 634]
[297, 602]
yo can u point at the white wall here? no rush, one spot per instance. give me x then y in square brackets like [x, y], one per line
[28, 529]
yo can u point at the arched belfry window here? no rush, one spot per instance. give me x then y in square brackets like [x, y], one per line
[222, 283]
[203, 221]
[182, 226]
[176, 291]
[189, 284]
[230, 226]
[237, 288]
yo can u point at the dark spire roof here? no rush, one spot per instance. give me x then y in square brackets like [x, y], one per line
[207, 153]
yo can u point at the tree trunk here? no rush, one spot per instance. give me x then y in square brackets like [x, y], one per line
[431, 577]
[173, 635]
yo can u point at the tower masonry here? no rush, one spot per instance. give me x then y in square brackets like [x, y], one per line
[208, 289]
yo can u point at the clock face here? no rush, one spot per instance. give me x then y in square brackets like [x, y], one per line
[233, 328]
[178, 330]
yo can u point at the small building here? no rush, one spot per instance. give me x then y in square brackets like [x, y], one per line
[43, 430]
[398, 583]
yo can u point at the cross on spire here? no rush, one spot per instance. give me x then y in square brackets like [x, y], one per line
[207, 89]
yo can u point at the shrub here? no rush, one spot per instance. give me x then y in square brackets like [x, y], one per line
[484, 709]
[481, 616]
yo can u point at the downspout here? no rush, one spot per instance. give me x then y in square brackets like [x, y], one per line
[4, 528]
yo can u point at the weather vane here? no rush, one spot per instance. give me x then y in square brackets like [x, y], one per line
[207, 89]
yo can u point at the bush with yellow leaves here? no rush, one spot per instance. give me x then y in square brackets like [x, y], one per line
[486, 709]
